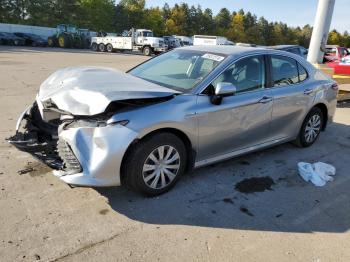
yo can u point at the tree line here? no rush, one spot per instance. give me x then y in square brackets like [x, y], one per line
[181, 19]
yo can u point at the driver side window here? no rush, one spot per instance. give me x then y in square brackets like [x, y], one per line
[247, 74]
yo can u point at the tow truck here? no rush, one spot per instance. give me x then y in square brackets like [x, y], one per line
[141, 40]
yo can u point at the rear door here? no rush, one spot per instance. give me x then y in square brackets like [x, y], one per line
[292, 94]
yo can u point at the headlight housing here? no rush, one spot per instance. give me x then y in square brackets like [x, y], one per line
[93, 123]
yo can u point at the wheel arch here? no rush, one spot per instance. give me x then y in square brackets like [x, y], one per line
[191, 152]
[324, 111]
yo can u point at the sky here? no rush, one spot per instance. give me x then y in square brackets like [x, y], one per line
[292, 12]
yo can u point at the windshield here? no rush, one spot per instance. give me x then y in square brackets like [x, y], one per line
[147, 33]
[179, 69]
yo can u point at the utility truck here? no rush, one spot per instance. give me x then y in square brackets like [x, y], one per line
[133, 40]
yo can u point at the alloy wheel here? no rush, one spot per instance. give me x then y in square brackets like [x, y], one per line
[312, 128]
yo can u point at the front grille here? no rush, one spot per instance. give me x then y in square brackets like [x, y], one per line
[70, 161]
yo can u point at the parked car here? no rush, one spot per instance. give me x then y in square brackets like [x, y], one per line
[184, 40]
[295, 49]
[335, 53]
[10, 39]
[171, 42]
[32, 39]
[189, 107]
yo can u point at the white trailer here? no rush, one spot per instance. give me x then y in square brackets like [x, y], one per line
[140, 40]
[210, 40]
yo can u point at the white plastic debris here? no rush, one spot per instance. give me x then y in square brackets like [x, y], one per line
[318, 173]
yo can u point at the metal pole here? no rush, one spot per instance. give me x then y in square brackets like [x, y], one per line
[320, 31]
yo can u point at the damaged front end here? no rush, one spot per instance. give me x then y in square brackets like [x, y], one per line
[82, 150]
[40, 139]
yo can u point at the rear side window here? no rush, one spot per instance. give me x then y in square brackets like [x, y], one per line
[302, 73]
[286, 71]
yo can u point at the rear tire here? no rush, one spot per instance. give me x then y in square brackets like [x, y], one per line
[109, 48]
[311, 128]
[64, 41]
[155, 164]
[101, 47]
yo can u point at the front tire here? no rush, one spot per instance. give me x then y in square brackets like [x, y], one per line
[311, 128]
[147, 51]
[155, 164]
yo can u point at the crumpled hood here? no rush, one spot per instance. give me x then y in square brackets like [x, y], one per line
[89, 90]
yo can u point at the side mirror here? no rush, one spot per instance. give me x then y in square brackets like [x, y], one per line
[222, 89]
[225, 89]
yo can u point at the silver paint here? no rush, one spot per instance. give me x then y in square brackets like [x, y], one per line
[242, 123]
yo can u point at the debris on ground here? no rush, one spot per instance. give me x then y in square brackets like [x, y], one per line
[103, 211]
[25, 171]
[246, 211]
[34, 169]
[254, 184]
[318, 173]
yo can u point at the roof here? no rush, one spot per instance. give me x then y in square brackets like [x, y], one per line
[282, 46]
[223, 49]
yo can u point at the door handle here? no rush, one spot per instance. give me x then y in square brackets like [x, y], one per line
[265, 99]
[308, 91]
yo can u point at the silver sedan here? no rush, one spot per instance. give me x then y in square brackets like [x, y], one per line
[187, 108]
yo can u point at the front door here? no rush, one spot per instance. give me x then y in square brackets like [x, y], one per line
[241, 120]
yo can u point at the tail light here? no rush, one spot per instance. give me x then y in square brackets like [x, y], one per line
[335, 86]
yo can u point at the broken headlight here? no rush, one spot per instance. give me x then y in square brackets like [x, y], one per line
[85, 123]
[92, 123]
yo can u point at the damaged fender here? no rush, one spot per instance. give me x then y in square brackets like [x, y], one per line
[100, 152]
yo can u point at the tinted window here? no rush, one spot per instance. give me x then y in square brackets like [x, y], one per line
[295, 50]
[247, 74]
[284, 71]
[344, 52]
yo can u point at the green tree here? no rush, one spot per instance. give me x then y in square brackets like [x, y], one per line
[223, 21]
[154, 21]
[237, 30]
[96, 14]
[130, 13]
